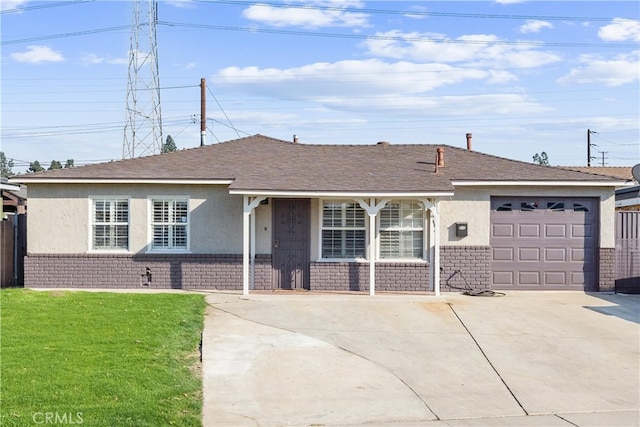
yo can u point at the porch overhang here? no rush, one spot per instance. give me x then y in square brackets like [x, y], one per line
[371, 202]
[342, 195]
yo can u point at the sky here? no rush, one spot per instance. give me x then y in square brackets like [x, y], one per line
[524, 77]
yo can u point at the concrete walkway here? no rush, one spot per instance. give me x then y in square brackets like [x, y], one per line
[526, 359]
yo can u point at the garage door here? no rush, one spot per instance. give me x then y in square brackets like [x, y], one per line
[544, 243]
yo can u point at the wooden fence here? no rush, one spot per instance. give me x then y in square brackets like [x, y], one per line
[13, 248]
[628, 252]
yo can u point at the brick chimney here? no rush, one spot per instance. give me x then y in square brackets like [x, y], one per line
[440, 157]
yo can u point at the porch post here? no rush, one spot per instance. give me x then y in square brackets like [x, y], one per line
[434, 242]
[372, 252]
[436, 248]
[246, 213]
[372, 210]
[248, 240]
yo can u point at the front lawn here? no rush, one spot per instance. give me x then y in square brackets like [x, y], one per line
[100, 359]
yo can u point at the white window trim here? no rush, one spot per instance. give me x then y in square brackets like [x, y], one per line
[321, 228]
[150, 248]
[92, 198]
[424, 258]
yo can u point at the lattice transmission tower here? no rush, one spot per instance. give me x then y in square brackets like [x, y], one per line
[143, 122]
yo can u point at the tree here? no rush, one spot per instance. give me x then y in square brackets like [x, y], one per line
[169, 146]
[5, 165]
[69, 164]
[55, 164]
[541, 159]
[35, 167]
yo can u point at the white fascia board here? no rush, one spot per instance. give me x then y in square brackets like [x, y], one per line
[27, 180]
[9, 187]
[336, 194]
[541, 183]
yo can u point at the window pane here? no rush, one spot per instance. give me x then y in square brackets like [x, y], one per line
[401, 230]
[170, 224]
[555, 206]
[110, 224]
[343, 230]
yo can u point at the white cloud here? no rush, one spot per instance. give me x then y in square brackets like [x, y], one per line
[478, 49]
[91, 59]
[290, 17]
[11, 4]
[620, 70]
[350, 77]
[621, 29]
[94, 59]
[534, 26]
[184, 4]
[37, 54]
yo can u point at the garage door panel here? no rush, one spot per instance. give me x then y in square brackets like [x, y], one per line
[544, 243]
[503, 278]
[503, 254]
[529, 254]
[502, 230]
[528, 278]
[555, 254]
[582, 231]
[555, 230]
[529, 230]
[577, 278]
[555, 278]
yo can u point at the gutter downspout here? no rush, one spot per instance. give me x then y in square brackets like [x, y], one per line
[248, 241]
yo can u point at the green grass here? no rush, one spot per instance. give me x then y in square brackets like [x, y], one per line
[100, 359]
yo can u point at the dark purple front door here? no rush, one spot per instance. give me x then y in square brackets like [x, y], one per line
[290, 248]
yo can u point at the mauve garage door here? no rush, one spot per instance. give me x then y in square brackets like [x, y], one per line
[544, 243]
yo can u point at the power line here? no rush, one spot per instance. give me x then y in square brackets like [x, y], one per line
[223, 112]
[44, 6]
[388, 38]
[58, 36]
[409, 12]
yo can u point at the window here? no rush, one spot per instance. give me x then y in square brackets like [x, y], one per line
[170, 224]
[401, 230]
[343, 230]
[505, 207]
[110, 224]
[555, 206]
[577, 207]
[528, 206]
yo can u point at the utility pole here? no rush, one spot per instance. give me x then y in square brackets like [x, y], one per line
[603, 153]
[203, 113]
[143, 124]
[589, 145]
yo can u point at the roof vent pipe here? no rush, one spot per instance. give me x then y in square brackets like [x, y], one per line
[469, 136]
[295, 139]
[440, 157]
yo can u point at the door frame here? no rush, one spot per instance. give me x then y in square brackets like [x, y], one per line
[279, 244]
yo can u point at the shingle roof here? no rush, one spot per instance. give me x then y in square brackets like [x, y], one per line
[622, 172]
[262, 163]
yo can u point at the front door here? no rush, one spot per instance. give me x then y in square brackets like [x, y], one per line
[290, 248]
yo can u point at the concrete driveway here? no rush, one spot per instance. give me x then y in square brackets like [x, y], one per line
[525, 359]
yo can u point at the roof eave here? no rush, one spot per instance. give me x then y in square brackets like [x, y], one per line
[522, 183]
[28, 180]
[341, 194]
